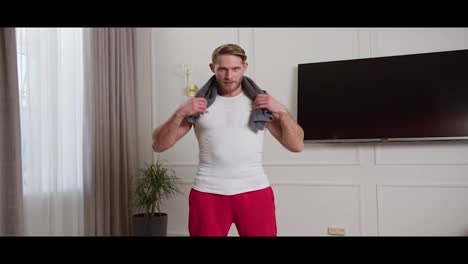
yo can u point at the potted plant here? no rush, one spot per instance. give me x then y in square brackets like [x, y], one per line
[153, 183]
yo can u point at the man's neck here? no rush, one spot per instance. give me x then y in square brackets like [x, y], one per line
[233, 93]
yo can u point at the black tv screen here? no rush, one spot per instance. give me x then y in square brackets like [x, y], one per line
[396, 98]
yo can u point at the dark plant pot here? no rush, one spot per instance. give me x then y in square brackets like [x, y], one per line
[155, 225]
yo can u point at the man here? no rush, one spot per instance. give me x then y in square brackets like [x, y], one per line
[228, 115]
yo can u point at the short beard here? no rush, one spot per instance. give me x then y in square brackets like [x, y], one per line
[226, 89]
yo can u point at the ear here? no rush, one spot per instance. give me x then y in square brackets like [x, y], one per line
[212, 67]
[246, 65]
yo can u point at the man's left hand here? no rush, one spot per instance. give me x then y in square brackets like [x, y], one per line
[268, 102]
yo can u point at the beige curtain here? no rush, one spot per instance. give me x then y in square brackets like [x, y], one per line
[109, 130]
[11, 190]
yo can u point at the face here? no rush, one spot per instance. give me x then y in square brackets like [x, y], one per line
[229, 71]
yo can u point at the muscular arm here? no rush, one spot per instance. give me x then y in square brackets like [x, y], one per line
[283, 127]
[165, 136]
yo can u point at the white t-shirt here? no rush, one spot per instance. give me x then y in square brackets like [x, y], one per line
[230, 152]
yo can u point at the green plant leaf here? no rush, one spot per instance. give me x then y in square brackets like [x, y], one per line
[153, 183]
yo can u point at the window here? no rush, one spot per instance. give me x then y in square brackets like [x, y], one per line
[50, 75]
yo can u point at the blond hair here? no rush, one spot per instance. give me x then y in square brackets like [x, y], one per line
[229, 49]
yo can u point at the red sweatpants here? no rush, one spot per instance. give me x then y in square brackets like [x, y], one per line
[253, 213]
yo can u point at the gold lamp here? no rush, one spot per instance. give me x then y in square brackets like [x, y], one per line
[190, 89]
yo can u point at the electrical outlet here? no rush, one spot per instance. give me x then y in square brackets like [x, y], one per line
[336, 231]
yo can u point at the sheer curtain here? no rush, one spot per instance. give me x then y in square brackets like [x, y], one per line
[50, 73]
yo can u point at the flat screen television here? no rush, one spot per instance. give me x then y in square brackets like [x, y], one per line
[395, 98]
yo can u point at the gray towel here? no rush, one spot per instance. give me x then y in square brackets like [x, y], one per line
[258, 117]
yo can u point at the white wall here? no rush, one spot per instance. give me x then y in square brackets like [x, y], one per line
[369, 189]
[144, 86]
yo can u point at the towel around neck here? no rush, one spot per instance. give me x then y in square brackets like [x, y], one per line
[258, 117]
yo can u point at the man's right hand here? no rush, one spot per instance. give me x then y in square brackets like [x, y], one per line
[165, 136]
[193, 106]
